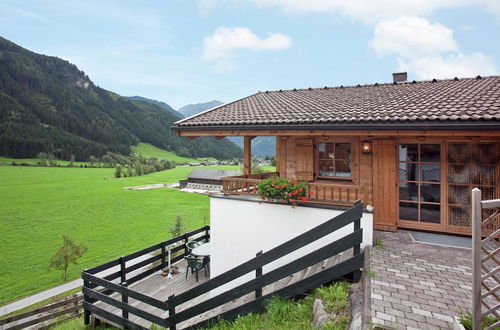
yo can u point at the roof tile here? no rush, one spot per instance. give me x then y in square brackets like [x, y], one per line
[442, 100]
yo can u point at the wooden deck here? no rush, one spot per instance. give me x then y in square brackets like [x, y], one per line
[161, 288]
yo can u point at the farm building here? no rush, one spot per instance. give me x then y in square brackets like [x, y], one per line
[207, 179]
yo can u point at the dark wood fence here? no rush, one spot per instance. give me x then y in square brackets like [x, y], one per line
[45, 316]
[351, 266]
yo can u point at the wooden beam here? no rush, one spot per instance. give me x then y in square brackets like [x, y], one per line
[247, 155]
[451, 134]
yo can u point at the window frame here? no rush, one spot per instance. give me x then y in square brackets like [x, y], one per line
[354, 161]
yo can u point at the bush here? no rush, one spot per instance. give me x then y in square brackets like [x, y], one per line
[289, 191]
[466, 320]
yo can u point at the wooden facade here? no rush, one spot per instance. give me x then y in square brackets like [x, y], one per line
[415, 193]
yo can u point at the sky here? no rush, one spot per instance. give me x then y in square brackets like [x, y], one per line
[187, 51]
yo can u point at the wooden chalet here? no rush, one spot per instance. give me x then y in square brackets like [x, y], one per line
[411, 150]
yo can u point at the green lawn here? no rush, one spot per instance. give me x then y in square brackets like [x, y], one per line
[147, 150]
[40, 204]
[34, 161]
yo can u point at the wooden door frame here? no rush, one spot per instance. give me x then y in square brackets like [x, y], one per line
[443, 141]
[443, 194]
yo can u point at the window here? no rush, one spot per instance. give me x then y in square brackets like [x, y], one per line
[420, 182]
[334, 160]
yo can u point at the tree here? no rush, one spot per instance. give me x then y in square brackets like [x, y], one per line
[118, 171]
[42, 156]
[71, 160]
[68, 253]
[178, 228]
[92, 160]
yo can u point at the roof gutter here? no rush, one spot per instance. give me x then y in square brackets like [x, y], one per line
[386, 126]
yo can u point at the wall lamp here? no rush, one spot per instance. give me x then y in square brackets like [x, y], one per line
[366, 147]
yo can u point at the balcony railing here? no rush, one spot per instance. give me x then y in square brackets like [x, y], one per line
[320, 192]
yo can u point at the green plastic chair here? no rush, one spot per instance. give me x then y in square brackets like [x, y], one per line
[195, 264]
[192, 244]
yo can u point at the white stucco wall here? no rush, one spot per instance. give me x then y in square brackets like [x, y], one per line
[239, 229]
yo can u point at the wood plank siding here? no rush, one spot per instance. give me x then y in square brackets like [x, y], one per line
[375, 175]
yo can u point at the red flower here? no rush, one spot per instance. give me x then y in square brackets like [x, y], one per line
[261, 197]
[282, 186]
[293, 200]
[301, 189]
[295, 183]
[290, 194]
[296, 192]
[277, 187]
[304, 199]
[255, 190]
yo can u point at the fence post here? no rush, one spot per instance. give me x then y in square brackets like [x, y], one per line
[258, 273]
[86, 313]
[476, 258]
[125, 301]
[356, 275]
[163, 255]
[122, 270]
[207, 234]
[186, 239]
[171, 313]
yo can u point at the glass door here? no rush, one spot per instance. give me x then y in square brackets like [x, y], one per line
[420, 185]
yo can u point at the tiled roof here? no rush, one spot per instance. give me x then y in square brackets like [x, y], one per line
[450, 100]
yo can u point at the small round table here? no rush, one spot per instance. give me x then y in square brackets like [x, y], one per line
[202, 250]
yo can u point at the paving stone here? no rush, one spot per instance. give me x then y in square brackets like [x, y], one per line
[419, 285]
[386, 317]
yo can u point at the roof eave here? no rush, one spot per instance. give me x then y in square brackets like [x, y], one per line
[377, 126]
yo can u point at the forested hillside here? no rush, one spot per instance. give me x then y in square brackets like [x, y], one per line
[49, 105]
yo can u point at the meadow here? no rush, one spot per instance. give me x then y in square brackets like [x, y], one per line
[40, 204]
[147, 150]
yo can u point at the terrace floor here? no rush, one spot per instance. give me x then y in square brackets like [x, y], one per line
[161, 288]
[418, 286]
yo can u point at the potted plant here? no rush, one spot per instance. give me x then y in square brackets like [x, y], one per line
[283, 190]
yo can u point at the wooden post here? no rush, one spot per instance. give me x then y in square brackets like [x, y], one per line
[247, 155]
[123, 277]
[86, 313]
[207, 234]
[476, 258]
[258, 273]
[163, 255]
[186, 240]
[125, 301]
[356, 275]
[171, 314]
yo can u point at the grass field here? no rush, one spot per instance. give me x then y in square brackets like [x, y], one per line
[40, 204]
[34, 161]
[147, 150]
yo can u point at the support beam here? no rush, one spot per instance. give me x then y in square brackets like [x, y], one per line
[247, 155]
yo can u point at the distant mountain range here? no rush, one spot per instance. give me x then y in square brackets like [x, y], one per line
[262, 146]
[193, 109]
[48, 105]
[158, 103]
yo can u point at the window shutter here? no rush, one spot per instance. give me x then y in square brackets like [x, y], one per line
[304, 157]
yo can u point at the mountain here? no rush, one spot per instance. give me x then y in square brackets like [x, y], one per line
[193, 109]
[262, 146]
[48, 105]
[158, 103]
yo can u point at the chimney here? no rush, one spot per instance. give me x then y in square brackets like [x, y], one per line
[399, 76]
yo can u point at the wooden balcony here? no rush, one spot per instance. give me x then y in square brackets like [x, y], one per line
[320, 191]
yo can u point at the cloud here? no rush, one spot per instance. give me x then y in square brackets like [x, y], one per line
[223, 44]
[408, 36]
[427, 50]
